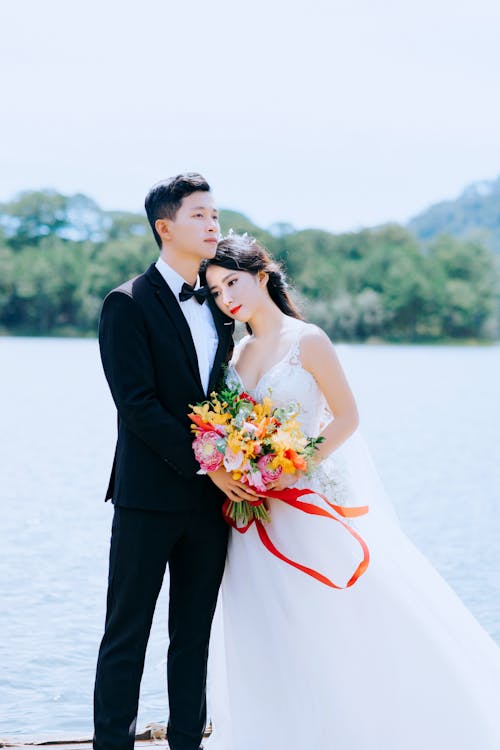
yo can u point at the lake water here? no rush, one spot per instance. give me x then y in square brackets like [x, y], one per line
[430, 414]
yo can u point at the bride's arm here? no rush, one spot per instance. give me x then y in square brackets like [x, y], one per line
[320, 359]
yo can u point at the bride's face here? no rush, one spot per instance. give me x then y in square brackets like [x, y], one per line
[237, 293]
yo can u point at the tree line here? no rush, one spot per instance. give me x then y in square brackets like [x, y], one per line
[60, 255]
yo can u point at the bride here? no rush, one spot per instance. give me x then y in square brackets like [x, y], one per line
[393, 662]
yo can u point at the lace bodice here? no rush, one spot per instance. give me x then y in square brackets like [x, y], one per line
[288, 382]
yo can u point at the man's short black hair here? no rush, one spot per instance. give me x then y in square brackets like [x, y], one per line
[165, 198]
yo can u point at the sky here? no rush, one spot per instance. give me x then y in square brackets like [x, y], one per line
[327, 113]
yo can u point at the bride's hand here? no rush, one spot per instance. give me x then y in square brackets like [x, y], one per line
[234, 490]
[285, 481]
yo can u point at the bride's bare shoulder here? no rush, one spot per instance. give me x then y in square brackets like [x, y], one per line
[313, 336]
[315, 346]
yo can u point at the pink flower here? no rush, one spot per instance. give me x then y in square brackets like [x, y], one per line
[255, 480]
[206, 451]
[268, 473]
[233, 461]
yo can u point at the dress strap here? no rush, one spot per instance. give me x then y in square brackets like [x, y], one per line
[293, 355]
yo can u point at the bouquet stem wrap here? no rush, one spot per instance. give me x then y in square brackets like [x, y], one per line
[293, 497]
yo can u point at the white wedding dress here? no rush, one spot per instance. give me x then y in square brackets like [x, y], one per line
[395, 662]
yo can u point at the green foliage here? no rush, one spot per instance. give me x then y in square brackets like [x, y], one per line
[120, 225]
[35, 215]
[239, 223]
[469, 287]
[60, 255]
[42, 289]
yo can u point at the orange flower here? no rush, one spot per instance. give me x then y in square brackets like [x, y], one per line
[299, 462]
[200, 423]
[262, 427]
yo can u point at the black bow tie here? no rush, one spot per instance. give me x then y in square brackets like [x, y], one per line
[187, 292]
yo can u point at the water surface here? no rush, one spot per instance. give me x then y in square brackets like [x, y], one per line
[431, 416]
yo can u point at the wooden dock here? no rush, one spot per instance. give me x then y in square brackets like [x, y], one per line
[154, 735]
[73, 744]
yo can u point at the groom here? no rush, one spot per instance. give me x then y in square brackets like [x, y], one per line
[162, 348]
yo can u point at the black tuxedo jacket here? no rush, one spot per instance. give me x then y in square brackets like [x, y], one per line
[150, 364]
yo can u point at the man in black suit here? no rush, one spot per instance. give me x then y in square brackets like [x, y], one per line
[162, 349]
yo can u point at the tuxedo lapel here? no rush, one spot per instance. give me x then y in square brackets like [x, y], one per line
[169, 303]
[225, 327]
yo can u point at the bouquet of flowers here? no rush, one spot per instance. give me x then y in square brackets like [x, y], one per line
[254, 441]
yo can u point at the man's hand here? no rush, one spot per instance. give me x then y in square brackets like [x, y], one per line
[235, 491]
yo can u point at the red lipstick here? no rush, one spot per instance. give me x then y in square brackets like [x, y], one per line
[234, 310]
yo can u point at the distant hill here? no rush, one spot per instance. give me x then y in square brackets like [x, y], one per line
[236, 221]
[475, 213]
[240, 223]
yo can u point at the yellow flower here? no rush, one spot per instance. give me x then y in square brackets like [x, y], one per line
[211, 417]
[221, 418]
[282, 440]
[264, 409]
[285, 463]
[219, 409]
[249, 449]
[204, 411]
[235, 441]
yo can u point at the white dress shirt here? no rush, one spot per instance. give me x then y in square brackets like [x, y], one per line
[199, 319]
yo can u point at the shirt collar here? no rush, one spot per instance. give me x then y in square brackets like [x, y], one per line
[173, 279]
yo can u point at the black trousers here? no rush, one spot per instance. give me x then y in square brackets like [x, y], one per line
[193, 544]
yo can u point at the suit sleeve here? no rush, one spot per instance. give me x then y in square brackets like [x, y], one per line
[128, 366]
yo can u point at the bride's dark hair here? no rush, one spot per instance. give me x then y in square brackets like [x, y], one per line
[240, 252]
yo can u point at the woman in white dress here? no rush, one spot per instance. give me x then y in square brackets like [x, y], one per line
[393, 662]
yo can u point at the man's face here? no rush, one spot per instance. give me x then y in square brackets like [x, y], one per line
[195, 229]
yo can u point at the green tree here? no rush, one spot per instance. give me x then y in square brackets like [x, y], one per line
[47, 280]
[121, 225]
[312, 262]
[35, 215]
[60, 255]
[7, 286]
[468, 284]
[117, 261]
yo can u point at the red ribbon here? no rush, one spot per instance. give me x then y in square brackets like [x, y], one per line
[291, 497]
